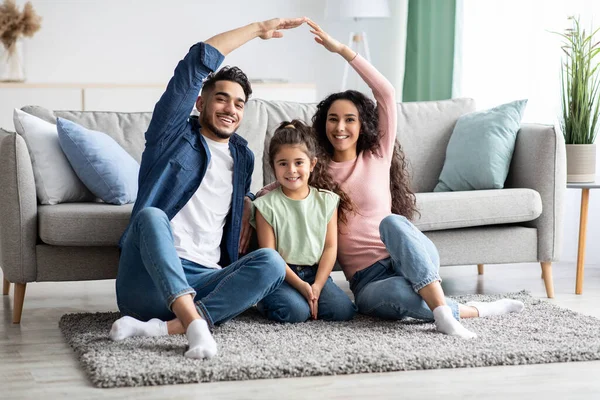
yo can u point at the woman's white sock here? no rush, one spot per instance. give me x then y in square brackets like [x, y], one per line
[446, 323]
[498, 307]
[127, 327]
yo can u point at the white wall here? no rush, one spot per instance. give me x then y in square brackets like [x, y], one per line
[135, 41]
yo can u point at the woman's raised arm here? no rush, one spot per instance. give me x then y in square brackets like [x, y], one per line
[383, 91]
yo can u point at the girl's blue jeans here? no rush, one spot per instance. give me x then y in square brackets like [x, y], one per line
[286, 304]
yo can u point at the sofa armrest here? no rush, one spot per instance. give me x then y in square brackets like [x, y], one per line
[539, 163]
[18, 210]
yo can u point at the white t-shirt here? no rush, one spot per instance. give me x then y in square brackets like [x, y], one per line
[198, 226]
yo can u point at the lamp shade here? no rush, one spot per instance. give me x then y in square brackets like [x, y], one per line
[354, 9]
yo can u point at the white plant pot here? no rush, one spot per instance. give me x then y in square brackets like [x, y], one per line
[581, 163]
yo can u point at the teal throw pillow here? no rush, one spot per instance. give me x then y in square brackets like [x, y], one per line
[481, 148]
[108, 171]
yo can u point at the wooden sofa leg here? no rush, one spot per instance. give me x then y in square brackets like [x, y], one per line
[479, 269]
[547, 275]
[6, 287]
[19, 298]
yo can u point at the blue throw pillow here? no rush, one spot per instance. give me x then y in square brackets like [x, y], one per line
[481, 148]
[107, 170]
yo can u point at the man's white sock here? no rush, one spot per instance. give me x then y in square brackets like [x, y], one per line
[498, 307]
[201, 342]
[446, 323]
[127, 327]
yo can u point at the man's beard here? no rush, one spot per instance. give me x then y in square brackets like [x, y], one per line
[218, 133]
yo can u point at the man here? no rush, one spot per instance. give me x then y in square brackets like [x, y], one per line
[180, 252]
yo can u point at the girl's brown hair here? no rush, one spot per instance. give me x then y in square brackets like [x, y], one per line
[403, 199]
[297, 133]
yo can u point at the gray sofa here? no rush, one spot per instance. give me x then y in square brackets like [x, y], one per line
[78, 241]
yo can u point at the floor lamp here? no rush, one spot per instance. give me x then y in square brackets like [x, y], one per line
[356, 9]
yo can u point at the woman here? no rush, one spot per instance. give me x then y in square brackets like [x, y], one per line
[392, 267]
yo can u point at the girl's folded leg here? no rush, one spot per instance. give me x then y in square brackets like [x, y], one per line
[334, 304]
[285, 304]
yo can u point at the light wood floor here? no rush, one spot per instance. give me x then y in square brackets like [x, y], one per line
[37, 364]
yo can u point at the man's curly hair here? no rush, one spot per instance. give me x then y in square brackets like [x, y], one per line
[297, 133]
[227, 73]
[403, 199]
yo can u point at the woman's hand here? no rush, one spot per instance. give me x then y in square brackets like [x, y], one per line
[270, 28]
[323, 38]
[330, 43]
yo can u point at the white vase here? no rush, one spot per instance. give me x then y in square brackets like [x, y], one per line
[12, 64]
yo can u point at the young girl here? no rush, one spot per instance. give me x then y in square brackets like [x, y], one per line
[299, 220]
[392, 267]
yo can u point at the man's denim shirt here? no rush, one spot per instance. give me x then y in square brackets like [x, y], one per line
[176, 155]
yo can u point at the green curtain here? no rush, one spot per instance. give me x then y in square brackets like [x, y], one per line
[429, 50]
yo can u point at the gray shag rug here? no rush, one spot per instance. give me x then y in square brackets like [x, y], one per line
[252, 348]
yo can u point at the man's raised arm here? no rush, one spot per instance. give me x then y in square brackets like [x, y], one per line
[228, 41]
[175, 105]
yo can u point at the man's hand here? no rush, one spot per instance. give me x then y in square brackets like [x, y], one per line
[246, 227]
[228, 41]
[270, 28]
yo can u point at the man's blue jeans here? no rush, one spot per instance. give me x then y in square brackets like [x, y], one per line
[151, 275]
[286, 304]
[388, 289]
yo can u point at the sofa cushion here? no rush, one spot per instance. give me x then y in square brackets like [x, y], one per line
[98, 224]
[253, 128]
[55, 180]
[481, 148]
[126, 128]
[277, 112]
[451, 210]
[83, 224]
[424, 130]
[103, 166]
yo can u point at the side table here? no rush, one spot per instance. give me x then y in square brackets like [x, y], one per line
[585, 197]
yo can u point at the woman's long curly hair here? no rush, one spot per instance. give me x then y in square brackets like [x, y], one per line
[403, 199]
[296, 133]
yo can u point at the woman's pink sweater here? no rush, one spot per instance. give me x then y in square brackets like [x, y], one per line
[366, 180]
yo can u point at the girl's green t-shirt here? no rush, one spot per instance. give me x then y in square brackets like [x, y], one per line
[300, 226]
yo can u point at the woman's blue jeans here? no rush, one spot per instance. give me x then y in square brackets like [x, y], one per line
[286, 304]
[389, 288]
[151, 275]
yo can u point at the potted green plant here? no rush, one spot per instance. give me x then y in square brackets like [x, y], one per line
[580, 101]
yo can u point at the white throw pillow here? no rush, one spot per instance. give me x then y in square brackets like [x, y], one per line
[55, 180]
